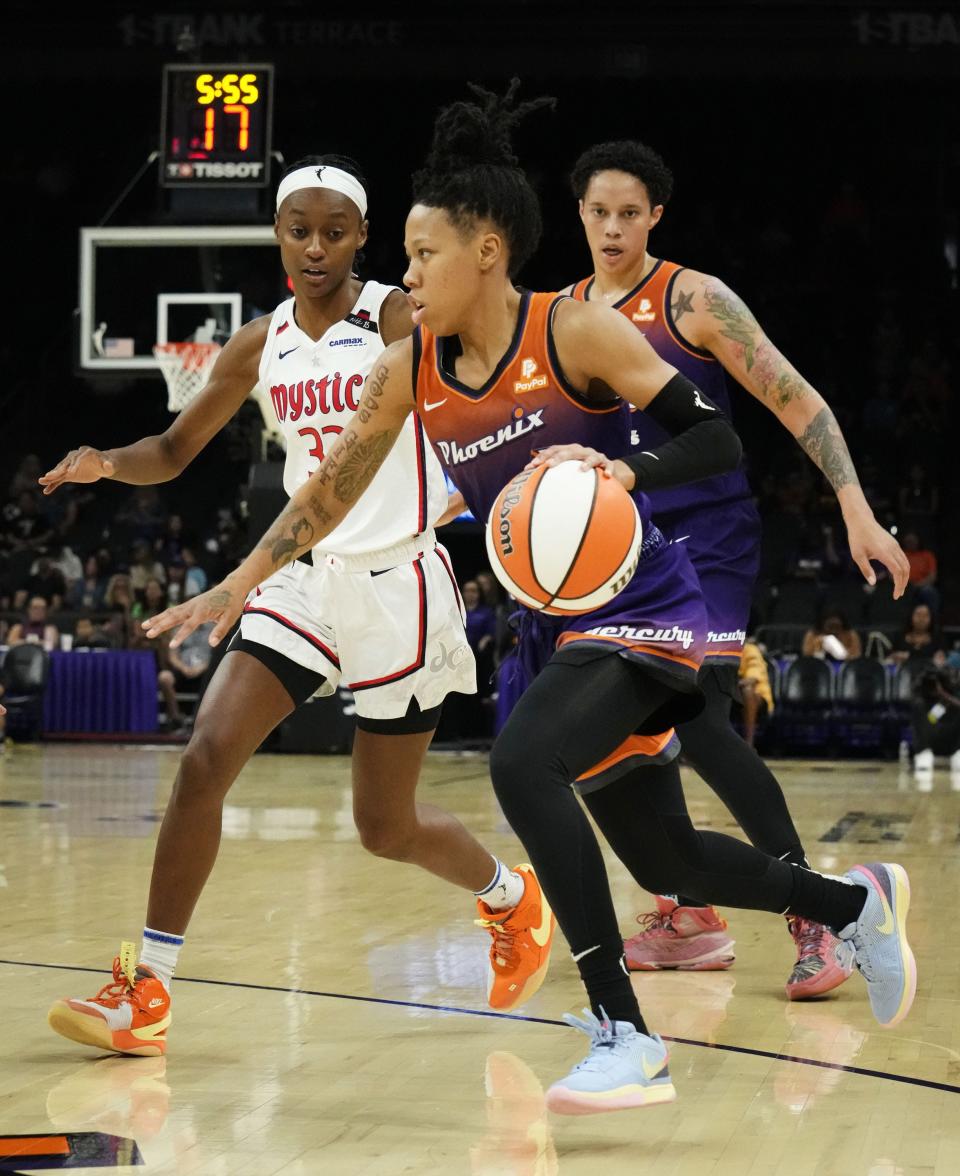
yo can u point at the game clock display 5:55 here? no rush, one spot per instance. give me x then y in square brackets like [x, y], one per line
[216, 125]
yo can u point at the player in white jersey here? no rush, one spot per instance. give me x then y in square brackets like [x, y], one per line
[376, 608]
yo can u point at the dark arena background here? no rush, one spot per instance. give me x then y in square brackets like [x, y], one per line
[815, 150]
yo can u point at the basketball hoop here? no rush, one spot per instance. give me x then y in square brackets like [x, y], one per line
[185, 367]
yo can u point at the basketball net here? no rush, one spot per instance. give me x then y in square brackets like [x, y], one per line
[185, 368]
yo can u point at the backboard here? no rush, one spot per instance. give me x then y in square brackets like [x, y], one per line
[143, 285]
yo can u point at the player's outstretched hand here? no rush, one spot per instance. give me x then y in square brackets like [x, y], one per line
[221, 604]
[80, 465]
[868, 540]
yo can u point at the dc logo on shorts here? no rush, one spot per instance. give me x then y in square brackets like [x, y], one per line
[449, 659]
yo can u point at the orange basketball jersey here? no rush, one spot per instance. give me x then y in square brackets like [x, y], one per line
[484, 436]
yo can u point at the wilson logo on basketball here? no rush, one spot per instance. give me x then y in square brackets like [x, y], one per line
[529, 380]
[454, 454]
[308, 397]
[512, 495]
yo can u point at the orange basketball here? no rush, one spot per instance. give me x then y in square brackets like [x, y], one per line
[563, 539]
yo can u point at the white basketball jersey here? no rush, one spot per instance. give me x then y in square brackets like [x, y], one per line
[315, 386]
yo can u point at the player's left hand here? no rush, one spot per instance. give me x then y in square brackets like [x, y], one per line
[553, 455]
[868, 540]
[222, 604]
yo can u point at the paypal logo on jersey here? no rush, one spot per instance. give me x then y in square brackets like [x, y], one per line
[454, 454]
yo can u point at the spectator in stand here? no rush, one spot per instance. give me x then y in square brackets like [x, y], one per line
[176, 581]
[64, 558]
[26, 525]
[755, 692]
[145, 567]
[45, 581]
[28, 471]
[118, 598]
[88, 592]
[195, 580]
[928, 383]
[936, 718]
[35, 628]
[143, 513]
[923, 570]
[920, 641]
[816, 556]
[152, 601]
[191, 660]
[832, 638]
[481, 629]
[169, 547]
[87, 635]
[496, 599]
[919, 501]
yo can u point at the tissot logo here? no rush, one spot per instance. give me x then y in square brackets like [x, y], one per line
[455, 454]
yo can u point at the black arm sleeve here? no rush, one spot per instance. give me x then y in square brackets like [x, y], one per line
[704, 442]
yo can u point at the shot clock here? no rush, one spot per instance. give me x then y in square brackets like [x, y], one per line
[215, 126]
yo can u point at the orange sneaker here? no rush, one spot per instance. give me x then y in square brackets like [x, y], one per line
[129, 1016]
[522, 939]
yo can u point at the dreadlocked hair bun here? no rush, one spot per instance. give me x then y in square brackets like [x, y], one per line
[472, 172]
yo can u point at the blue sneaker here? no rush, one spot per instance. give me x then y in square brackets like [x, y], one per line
[879, 937]
[623, 1069]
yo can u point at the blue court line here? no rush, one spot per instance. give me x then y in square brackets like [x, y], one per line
[773, 1055]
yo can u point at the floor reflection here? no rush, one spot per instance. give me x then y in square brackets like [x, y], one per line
[517, 1140]
[118, 1095]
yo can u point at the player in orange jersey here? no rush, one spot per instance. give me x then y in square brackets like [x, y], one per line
[698, 324]
[474, 221]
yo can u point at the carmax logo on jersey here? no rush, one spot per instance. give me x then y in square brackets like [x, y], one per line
[454, 454]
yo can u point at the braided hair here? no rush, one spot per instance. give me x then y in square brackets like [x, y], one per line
[626, 155]
[472, 173]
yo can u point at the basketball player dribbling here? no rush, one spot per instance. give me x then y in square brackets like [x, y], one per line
[307, 628]
[700, 326]
[495, 372]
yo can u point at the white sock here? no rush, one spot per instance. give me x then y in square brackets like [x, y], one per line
[159, 951]
[505, 889]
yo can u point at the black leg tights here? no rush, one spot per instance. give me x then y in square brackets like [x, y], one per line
[736, 773]
[572, 716]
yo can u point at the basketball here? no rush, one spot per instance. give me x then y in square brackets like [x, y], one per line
[563, 539]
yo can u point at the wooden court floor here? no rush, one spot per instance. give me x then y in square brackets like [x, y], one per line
[329, 1011]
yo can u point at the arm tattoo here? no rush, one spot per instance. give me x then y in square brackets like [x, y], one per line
[777, 378]
[372, 394]
[291, 533]
[360, 465]
[683, 304]
[738, 323]
[823, 443]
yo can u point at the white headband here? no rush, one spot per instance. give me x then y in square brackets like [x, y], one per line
[324, 176]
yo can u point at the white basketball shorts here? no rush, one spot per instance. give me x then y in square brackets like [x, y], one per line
[388, 625]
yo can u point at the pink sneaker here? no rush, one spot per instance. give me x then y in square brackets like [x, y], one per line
[690, 939]
[823, 961]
